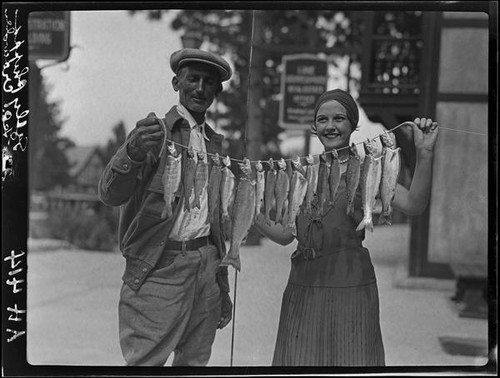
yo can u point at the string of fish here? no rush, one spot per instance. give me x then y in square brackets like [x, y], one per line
[239, 200]
[166, 141]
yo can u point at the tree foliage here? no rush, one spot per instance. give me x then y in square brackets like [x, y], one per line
[118, 138]
[48, 163]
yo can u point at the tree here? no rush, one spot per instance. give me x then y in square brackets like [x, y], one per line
[48, 164]
[119, 137]
[256, 54]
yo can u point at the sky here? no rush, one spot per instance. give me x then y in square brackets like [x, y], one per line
[119, 70]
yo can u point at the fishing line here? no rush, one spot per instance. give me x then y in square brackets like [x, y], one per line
[245, 152]
[339, 149]
[463, 131]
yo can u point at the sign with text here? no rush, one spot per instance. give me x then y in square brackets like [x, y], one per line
[48, 35]
[303, 80]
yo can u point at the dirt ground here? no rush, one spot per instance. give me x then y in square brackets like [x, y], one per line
[73, 299]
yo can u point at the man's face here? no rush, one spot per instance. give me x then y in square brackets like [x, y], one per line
[198, 84]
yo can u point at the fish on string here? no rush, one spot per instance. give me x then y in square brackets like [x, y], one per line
[391, 163]
[323, 189]
[242, 214]
[312, 182]
[214, 184]
[269, 197]
[297, 193]
[370, 183]
[188, 180]
[171, 179]
[281, 190]
[321, 180]
[297, 166]
[201, 178]
[352, 177]
[334, 177]
[259, 187]
[228, 186]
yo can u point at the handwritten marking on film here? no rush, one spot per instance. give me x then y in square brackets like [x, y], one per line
[14, 118]
[16, 285]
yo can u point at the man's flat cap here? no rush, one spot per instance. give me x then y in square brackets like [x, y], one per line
[188, 55]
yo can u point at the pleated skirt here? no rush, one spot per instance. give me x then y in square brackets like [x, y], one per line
[329, 326]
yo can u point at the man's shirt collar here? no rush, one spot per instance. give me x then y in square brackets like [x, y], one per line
[183, 112]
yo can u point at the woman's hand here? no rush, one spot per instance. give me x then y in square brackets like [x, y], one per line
[415, 200]
[425, 133]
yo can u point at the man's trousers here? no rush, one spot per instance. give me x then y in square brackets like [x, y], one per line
[176, 309]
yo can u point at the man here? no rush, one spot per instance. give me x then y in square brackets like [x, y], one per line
[174, 294]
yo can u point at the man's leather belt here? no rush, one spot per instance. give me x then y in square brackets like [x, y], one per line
[188, 245]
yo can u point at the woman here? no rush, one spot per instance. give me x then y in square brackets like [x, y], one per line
[330, 308]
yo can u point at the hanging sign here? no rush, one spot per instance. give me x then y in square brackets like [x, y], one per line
[303, 80]
[48, 35]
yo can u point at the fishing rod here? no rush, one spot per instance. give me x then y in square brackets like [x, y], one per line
[245, 151]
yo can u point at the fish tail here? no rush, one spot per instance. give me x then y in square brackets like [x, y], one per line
[232, 258]
[167, 212]
[365, 224]
[197, 202]
[369, 225]
[332, 201]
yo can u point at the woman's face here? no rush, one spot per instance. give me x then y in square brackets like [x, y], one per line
[332, 126]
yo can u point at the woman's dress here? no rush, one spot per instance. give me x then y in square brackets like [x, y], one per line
[330, 307]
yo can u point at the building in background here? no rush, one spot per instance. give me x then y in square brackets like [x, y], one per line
[436, 64]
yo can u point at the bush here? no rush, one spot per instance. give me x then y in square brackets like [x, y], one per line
[86, 229]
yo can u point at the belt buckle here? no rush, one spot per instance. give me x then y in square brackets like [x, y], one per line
[183, 247]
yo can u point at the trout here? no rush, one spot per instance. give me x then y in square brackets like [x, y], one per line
[312, 182]
[391, 162]
[259, 187]
[323, 189]
[269, 191]
[297, 165]
[298, 190]
[214, 182]
[352, 177]
[281, 190]
[171, 179]
[334, 177]
[189, 177]
[201, 179]
[370, 182]
[228, 184]
[242, 214]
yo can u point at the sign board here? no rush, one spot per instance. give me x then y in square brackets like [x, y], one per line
[303, 80]
[48, 35]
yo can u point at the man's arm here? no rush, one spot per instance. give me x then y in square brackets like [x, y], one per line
[125, 169]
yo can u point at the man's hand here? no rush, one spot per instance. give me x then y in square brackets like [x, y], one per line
[226, 310]
[149, 134]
